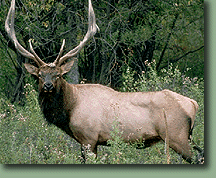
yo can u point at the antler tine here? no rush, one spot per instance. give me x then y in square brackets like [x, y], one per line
[60, 53]
[92, 29]
[9, 27]
[34, 53]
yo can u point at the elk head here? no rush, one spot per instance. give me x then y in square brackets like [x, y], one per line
[50, 73]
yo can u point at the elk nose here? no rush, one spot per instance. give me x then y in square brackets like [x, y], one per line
[48, 86]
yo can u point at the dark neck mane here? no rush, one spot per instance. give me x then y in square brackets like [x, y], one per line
[52, 106]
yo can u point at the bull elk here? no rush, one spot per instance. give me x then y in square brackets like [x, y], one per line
[86, 112]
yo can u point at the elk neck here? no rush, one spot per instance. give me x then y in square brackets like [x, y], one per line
[54, 106]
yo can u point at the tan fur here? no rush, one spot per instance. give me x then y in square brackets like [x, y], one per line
[94, 108]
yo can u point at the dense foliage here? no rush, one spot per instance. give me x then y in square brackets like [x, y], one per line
[131, 32]
[142, 45]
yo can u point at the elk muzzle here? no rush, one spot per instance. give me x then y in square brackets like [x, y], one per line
[48, 86]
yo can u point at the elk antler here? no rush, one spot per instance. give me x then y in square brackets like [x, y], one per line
[9, 27]
[92, 29]
[61, 51]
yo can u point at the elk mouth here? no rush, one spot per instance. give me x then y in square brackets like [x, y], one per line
[50, 91]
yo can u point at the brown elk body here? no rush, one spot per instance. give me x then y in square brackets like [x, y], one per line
[87, 112]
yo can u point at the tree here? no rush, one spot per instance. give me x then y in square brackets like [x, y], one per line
[131, 32]
[47, 23]
[164, 31]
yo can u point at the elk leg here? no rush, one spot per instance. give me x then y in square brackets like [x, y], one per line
[200, 156]
[182, 149]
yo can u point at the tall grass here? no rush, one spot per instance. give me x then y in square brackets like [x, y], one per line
[26, 138]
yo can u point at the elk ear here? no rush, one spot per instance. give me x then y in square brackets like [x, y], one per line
[66, 67]
[31, 69]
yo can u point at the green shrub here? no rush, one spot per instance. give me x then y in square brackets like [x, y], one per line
[120, 152]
